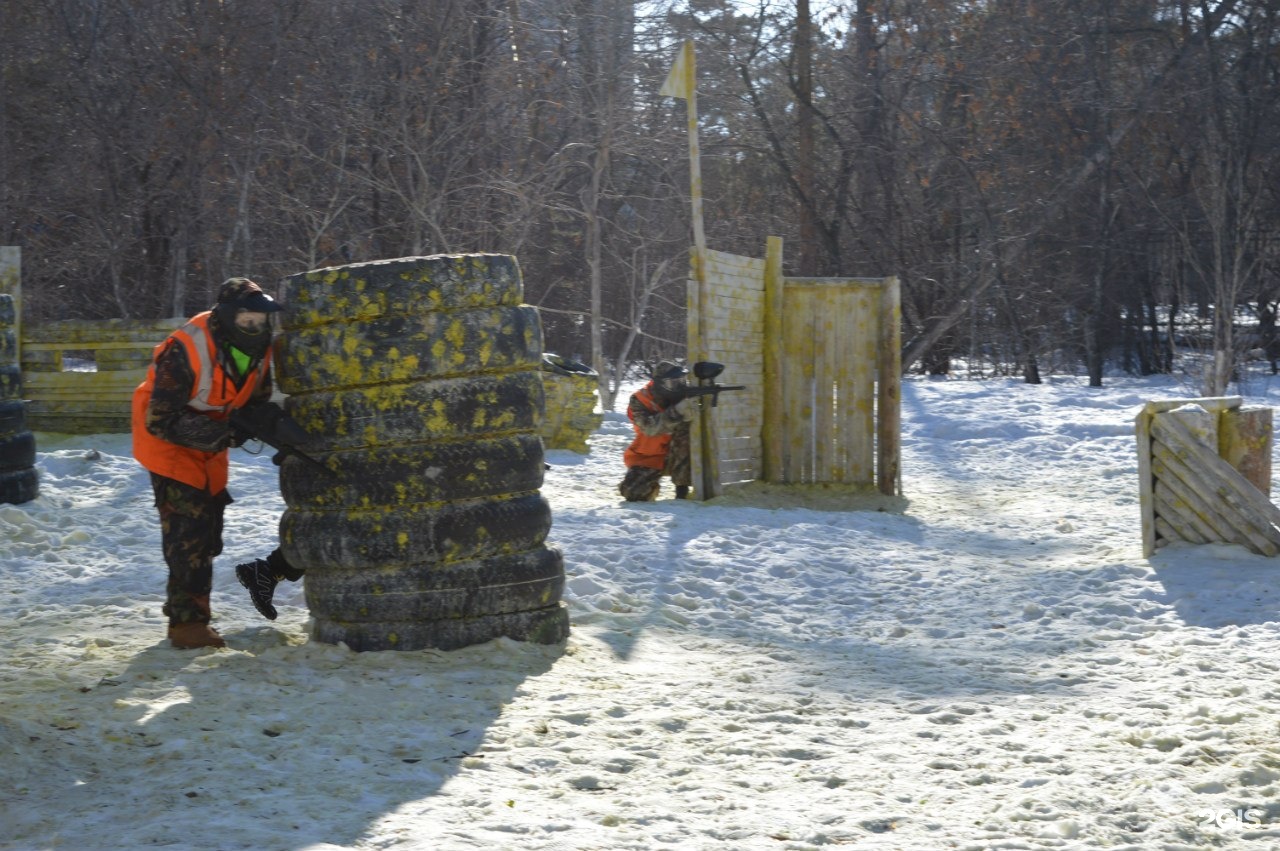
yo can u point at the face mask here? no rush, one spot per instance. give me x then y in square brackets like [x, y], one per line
[250, 332]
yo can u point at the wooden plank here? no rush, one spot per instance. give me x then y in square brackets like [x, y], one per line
[85, 333]
[797, 362]
[824, 383]
[863, 361]
[73, 406]
[1146, 499]
[888, 414]
[1167, 534]
[38, 384]
[1212, 404]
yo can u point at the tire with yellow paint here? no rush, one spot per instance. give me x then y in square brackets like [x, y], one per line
[418, 382]
[417, 473]
[443, 409]
[398, 349]
[407, 286]
[415, 535]
[13, 417]
[10, 382]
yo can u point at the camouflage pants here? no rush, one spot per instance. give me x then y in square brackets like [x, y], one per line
[641, 484]
[190, 538]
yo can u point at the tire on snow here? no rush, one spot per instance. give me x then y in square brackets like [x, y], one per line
[497, 585]
[19, 486]
[540, 626]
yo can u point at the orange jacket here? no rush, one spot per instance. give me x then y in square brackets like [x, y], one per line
[212, 393]
[647, 450]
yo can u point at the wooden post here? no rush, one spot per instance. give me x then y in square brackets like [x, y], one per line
[774, 427]
[889, 395]
[1244, 441]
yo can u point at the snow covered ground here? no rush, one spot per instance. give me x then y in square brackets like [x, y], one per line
[992, 664]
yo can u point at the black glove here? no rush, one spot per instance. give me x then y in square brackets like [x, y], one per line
[198, 431]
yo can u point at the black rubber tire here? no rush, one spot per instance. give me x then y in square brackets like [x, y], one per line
[406, 286]
[540, 626]
[392, 477]
[17, 451]
[496, 585]
[13, 417]
[413, 535]
[389, 414]
[10, 381]
[398, 349]
[19, 486]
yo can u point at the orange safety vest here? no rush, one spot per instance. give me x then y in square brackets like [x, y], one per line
[212, 393]
[646, 450]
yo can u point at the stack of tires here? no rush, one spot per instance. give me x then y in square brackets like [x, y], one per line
[18, 481]
[573, 412]
[418, 379]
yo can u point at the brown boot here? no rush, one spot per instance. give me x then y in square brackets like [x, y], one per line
[193, 635]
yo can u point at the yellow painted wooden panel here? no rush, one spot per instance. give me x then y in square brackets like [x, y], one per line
[92, 384]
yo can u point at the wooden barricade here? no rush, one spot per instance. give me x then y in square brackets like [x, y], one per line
[821, 358]
[79, 375]
[1204, 469]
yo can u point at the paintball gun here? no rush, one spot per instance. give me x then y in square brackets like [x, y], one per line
[706, 372]
[268, 423]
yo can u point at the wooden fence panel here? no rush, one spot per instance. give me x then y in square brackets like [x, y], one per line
[79, 376]
[1191, 454]
[821, 365]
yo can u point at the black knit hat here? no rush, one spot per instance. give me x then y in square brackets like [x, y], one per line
[243, 293]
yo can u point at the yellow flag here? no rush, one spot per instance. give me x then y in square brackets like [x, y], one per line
[679, 82]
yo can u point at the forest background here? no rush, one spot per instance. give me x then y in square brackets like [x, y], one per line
[1058, 184]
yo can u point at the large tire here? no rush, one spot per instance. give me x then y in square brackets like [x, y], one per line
[19, 486]
[13, 417]
[409, 348]
[371, 539]
[18, 451]
[443, 409]
[408, 286]
[515, 583]
[10, 382]
[411, 474]
[540, 626]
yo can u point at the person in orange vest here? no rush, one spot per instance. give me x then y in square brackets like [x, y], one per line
[660, 416]
[217, 362]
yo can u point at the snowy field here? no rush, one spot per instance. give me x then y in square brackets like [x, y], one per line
[989, 664]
